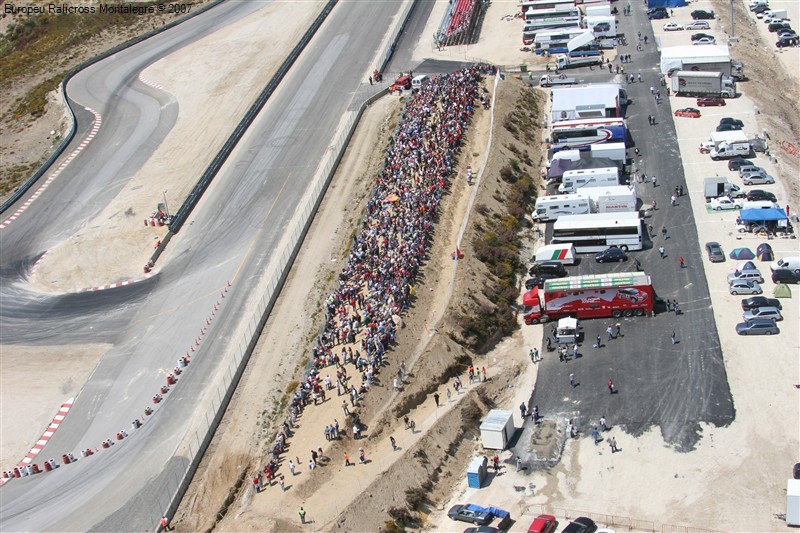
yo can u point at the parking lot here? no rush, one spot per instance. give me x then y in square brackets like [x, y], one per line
[678, 386]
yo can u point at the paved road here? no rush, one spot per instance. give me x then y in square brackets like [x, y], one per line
[672, 387]
[231, 237]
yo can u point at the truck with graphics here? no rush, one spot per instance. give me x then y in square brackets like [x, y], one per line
[593, 296]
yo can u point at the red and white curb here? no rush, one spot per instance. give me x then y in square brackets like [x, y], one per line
[38, 262]
[51, 429]
[117, 284]
[95, 128]
[147, 82]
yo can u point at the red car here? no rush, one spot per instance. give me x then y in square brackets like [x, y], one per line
[710, 100]
[544, 523]
[688, 112]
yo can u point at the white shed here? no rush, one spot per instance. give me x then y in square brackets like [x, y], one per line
[497, 429]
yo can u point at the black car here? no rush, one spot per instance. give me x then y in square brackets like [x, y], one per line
[760, 301]
[758, 195]
[784, 275]
[658, 15]
[729, 127]
[698, 36]
[760, 9]
[731, 120]
[786, 41]
[539, 280]
[715, 253]
[775, 26]
[580, 525]
[699, 14]
[737, 162]
[611, 254]
[548, 267]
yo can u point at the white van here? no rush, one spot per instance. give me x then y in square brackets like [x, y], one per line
[592, 177]
[551, 207]
[417, 82]
[790, 263]
[562, 253]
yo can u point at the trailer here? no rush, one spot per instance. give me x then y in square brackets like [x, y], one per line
[573, 180]
[564, 61]
[686, 83]
[707, 58]
[614, 294]
[717, 186]
[611, 199]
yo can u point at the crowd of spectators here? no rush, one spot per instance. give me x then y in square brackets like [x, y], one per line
[376, 284]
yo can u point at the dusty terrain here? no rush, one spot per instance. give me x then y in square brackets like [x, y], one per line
[747, 461]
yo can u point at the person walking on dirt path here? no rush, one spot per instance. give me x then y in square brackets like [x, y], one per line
[448, 394]
[291, 467]
[345, 409]
[346, 459]
[603, 426]
[394, 443]
[519, 464]
[613, 443]
[496, 463]
[165, 523]
[522, 410]
[302, 515]
[595, 436]
[362, 458]
[436, 398]
[282, 483]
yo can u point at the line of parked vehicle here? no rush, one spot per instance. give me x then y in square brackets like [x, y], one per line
[777, 22]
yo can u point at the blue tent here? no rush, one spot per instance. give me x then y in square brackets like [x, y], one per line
[764, 252]
[652, 4]
[762, 215]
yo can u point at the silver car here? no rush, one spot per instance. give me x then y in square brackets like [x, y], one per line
[744, 169]
[756, 178]
[741, 286]
[757, 326]
[747, 275]
[763, 312]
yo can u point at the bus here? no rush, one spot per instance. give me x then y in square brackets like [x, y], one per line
[580, 134]
[555, 38]
[598, 231]
[536, 5]
[571, 13]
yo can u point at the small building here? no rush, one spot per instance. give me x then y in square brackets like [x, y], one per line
[497, 429]
[793, 502]
[476, 472]
[599, 100]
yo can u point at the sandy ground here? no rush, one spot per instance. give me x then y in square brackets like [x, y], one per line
[33, 384]
[746, 462]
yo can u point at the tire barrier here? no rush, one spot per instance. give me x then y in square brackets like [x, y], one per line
[148, 411]
[136, 424]
[66, 459]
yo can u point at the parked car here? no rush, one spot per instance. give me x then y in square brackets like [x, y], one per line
[544, 523]
[773, 313]
[757, 178]
[689, 112]
[715, 253]
[786, 32]
[482, 529]
[539, 280]
[757, 195]
[700, 14]
[724, 203]
[704, 101]
[731, 120]
[611, 254]
[784, 275]
[672, 26]
[705, 40]
[748, 275]
[750, 167]
[548, 267]
[758, 10]
[658, 15]
[760, 301]
[741, 286]
[462, 514]
[757, 326]
[737, 162]
[697, 25]
[698, 36]
[785, 42]
[773, 27]
[581, 524]
[729, 127]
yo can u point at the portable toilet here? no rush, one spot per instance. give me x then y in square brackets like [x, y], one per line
[476, 472]
[792, 502]
[497, 429]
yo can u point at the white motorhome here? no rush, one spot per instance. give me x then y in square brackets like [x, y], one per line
[613, 199]
[592, 177]
[551, 207]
